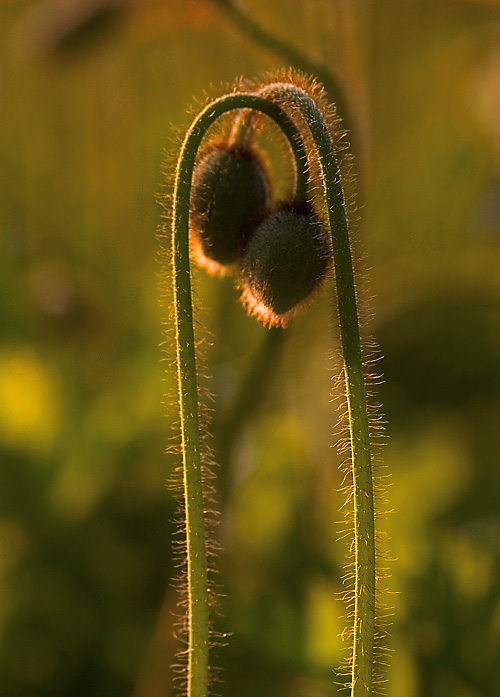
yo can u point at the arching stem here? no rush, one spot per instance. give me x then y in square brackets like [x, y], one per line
[329, 77]
[364, 517]
[268, 102]
[198, 603]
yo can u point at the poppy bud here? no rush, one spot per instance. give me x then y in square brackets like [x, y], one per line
[285, 261]
[229, 195]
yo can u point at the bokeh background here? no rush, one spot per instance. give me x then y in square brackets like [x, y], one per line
[91, 93]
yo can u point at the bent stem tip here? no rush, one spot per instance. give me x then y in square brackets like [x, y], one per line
[274, 100]
[196, 548]
[361, 460]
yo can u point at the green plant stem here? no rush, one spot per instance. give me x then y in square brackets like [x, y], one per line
[198, 613]
[364, 524]
[241, 131]
[268, 102]
[251, 391]
[290, 54]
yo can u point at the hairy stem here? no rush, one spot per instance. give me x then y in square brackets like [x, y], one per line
[333, 85]
[198, 612]
[269, 102]
[364, 525]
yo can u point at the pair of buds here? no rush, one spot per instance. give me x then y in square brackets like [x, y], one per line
[283, 252]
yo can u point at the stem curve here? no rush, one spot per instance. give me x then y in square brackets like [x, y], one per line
[364, 517]
[198, 615]
[273, 101]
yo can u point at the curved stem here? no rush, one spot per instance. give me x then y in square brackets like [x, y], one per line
[364, 542]
[198, 615]
[332, 83]
[364, 525]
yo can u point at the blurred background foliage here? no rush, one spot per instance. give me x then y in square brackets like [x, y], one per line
[91, 92]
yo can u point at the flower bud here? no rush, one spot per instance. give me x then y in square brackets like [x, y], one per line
[229, 195]
[285, 262]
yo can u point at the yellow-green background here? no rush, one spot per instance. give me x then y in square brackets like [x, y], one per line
[86, 531]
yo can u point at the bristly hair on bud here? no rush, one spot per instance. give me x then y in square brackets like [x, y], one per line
[230, 194]
[221, 211]
[285, 263]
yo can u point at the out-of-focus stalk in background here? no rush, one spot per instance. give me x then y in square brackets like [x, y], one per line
[91, 94]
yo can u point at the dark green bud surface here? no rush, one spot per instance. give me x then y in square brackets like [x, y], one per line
[285, 261]
[229, 195]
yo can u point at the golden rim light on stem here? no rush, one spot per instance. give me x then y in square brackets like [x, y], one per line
[296, 112]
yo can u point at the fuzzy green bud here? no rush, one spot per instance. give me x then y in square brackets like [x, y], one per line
[229, 196]
[285, 262]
